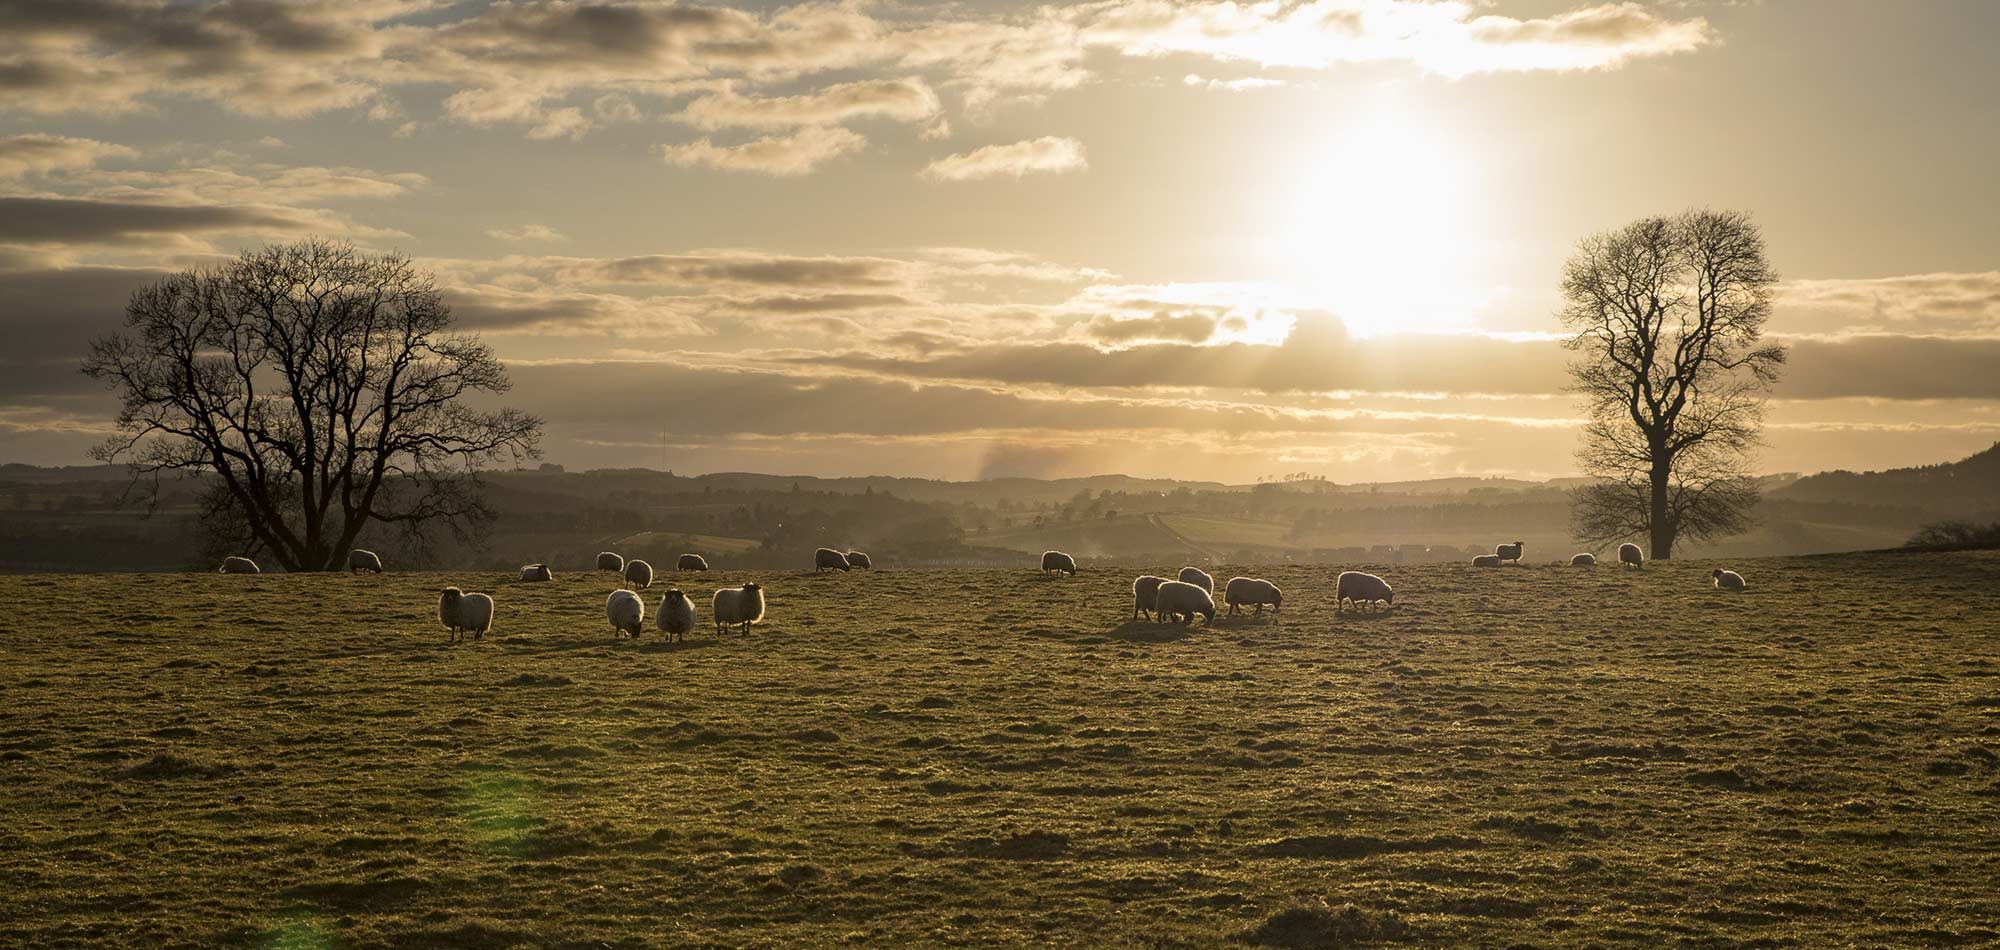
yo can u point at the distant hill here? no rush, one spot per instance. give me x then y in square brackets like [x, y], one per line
[1969, 487]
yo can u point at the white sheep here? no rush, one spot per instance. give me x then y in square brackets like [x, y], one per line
[1510, 552]
[676, 616]
[692, 562]
[1056, 562]
[1145, 591]
[359, 560]
[608, 561]
[1586, 559]
[1363, 589]
[738, 605]
[626, 612]
[1486, 560]
[1181, 601]
[238, 565]
[465, 613]
[1199, 578]
[1628, 553]
[1245, 591]
[638, 573]
[537, 572]
[1727, 580]
[860, 559]
[828, 559]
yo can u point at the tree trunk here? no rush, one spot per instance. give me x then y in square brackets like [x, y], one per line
[1656, 521]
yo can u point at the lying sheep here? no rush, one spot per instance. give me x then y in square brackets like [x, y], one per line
[1362, 589]
[638, 573]
[238, 565]
[691, 562]
[828, 559]
[607, 561]
[1145, 591]
[626, 612]
[537, 572]
[1245, 591]
[465, 613]
[676, 616]
[1510, 552]
[1586, 559]
[1727, 580]
[738, 605]
[860, 560]
[1056, 562]
[1199, 578]
[1628, 553]
[1486, 560]
[359, 560]
[1180, 601]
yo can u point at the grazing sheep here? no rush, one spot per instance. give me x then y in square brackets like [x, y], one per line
[1145, 591]
[1510, 552]
[738, 605]
[1727, 580]
[238, 565]
[828, 559]
[1199, 578]
[1245, 591]
[359, 560]
[1362, 589]
[1628, 553]
[692, 562]
[465, 613]
[676, 616]
[1586, 559]
[607, 561]
[626, 612]
[1180, 601]
[860, 560]
[1486, 560]
[638, 573]
[1056, 562]
[537, 572]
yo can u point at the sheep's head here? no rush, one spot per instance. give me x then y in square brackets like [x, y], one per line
[1277, 598]
[1388, 596]
[752, 587]
[1717, 573]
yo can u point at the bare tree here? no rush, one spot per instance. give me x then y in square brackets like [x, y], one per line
[1668, 315]
[320, 388]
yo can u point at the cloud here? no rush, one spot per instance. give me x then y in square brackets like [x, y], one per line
[527, 232]
[1182, 327]
[1231, 85]
[1046, 154]
[74, 220]
[38, 154]
[904, 100]
[778, 155]
[1916, 303]
[739, 268]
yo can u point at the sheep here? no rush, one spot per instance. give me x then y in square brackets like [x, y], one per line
[860, 560]
[359, 560]
[1586, 559]
[1199, 578]
[462, 612]
[692, 562]
[626, 612]
[537, 572]
[1486, 560]
[1145, 591]
[1180, 601]
[1727, 580]
[1056, 562]
[1361, 588]
[738, 605]
[1628, 553]
[238, 565]
[1244, 591]
[638, 573]
[1510, 552]
[607, 561]
[676, 615]
[828, 559]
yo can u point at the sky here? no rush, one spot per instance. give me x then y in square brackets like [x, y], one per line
[1202, 240]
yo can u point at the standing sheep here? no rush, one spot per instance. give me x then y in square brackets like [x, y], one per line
[1145, 592]
[1628, 553]
[1362, 589]
[738, 605]
[1510, 552]
[626, 612]
[638, 573]
[359, 560]
[1486, 560]
[1181, 601]
[607, 561]
[537, 572]
[1056, 562]
[1199, 578]
[1245, 591]
[676, 616]
[692, 562]
[828, 559]
[238, 565]
[1586, 559]
[465, 613]
[860, 559]
[1727, 580]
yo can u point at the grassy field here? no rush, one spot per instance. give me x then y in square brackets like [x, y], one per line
[1516, 757]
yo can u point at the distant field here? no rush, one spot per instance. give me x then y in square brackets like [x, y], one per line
[651, 543]
[1530, 756]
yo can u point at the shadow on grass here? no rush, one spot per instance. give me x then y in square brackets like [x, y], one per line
[1142, 631]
